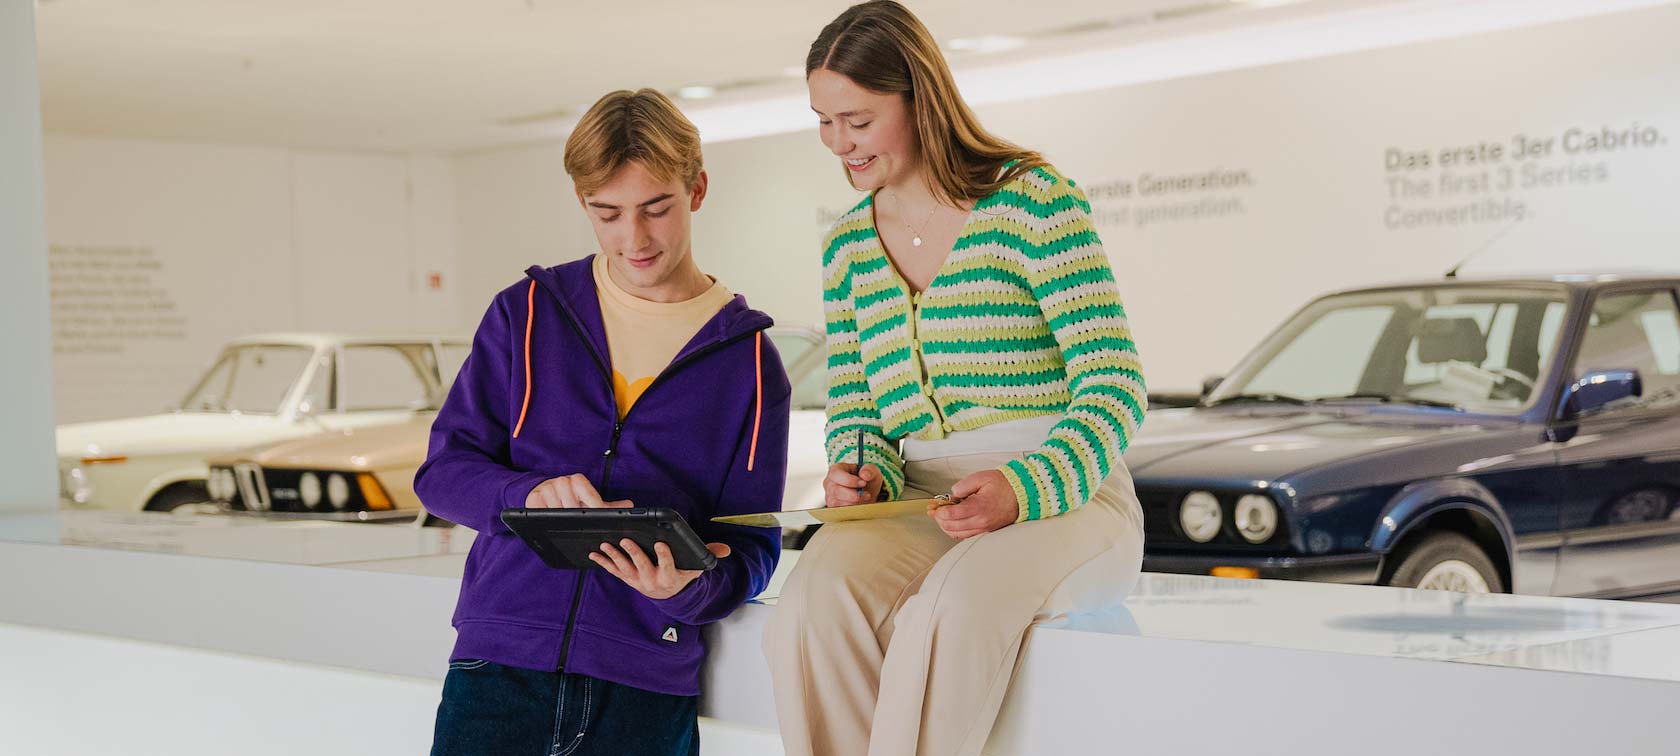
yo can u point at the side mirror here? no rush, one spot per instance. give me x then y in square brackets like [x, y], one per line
[1598, 389]
[1211, 383]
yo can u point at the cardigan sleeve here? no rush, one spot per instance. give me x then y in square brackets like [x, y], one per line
[851, 407]
[1074, 284]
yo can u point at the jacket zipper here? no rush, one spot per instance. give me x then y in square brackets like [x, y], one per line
[577, 590]
[611, 454]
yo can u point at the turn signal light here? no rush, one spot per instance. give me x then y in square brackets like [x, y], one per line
[372, 492]
[1235, 572]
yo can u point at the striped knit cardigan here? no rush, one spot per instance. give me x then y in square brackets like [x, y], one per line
[1022, 320]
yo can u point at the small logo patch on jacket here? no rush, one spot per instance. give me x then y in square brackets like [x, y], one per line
[670, 635]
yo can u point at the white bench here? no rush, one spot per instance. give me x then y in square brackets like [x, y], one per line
[1188, 666]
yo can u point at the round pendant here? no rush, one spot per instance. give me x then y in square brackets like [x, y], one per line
[916, 241]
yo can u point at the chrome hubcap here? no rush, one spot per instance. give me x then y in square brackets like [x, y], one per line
[1453, 575]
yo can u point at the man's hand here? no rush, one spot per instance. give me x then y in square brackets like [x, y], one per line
[985, 502]
[570, 492]
[663, 580]
[840, 487]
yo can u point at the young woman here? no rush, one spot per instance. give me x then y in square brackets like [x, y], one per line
[972, 315]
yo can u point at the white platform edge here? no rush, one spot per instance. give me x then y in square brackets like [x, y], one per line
[1075, 691]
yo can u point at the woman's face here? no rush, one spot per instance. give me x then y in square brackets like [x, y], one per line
[870, 132]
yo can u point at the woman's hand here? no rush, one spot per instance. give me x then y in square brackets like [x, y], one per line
[840, 488]
[985, 502]
[660, 580]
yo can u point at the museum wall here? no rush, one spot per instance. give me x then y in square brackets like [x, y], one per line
[160, 251]
[1226, 201]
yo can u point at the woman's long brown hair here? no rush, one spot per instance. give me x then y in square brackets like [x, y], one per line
[884, 48]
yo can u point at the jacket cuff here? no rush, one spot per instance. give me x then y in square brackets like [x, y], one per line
[517, 490]
[690, 600]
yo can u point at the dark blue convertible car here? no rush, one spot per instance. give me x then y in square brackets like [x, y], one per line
[1495, 435]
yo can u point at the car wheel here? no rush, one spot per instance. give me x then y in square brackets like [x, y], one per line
[180, 497]
[1447, 562]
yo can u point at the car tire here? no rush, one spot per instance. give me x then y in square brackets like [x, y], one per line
[178, 495]
[1446, 561]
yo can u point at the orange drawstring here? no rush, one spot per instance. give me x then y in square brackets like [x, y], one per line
[530, 307]
[758, 411]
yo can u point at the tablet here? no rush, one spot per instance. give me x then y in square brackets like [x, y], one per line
[564, 538]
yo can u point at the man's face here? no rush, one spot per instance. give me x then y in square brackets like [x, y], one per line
[643, 226]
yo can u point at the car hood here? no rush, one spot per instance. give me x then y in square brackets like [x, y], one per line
[171, 433]
[372, 448]
[1242, 445]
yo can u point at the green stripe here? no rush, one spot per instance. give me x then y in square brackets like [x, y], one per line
[989, 273]
[978, 309]
[1029, 483]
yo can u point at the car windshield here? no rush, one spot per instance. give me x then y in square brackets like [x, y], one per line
[1473, 349]
[249, 380]
[808, 376]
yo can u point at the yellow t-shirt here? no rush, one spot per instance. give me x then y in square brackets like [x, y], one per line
[642, 336]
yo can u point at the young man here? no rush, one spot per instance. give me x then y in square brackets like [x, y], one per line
[628, 378]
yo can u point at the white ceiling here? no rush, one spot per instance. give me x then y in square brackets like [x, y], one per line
[452, 75]
[449, 76]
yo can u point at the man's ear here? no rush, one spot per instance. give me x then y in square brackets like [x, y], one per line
[697, 193]
[581, 202]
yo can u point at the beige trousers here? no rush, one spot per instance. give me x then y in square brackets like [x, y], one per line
[892, 639]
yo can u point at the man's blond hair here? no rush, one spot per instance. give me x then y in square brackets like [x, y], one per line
[643, 126]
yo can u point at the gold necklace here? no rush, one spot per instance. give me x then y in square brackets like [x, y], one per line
[915, 234]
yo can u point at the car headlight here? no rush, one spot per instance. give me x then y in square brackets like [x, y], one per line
[1257, 518]
[221, 484]
[214, 483]
[74, 485]
[338, 491]
[1200, 516]
[309, 489]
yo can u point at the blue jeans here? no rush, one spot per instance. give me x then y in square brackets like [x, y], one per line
[490, 708]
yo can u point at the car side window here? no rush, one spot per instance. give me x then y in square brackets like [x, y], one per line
[382, 377]
[1635, 331]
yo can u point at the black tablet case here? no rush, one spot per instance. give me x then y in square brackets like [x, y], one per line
[564, 538]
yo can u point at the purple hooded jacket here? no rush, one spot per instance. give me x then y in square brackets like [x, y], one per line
[534, 401]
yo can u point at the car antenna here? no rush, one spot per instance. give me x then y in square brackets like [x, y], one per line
[1453, 272]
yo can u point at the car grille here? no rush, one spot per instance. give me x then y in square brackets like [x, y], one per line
[253, 488]
[279, 490]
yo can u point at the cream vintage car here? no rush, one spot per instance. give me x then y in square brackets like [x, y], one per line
[363, 473]
[259, 390]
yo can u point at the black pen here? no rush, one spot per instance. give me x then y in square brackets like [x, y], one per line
[860, 461]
